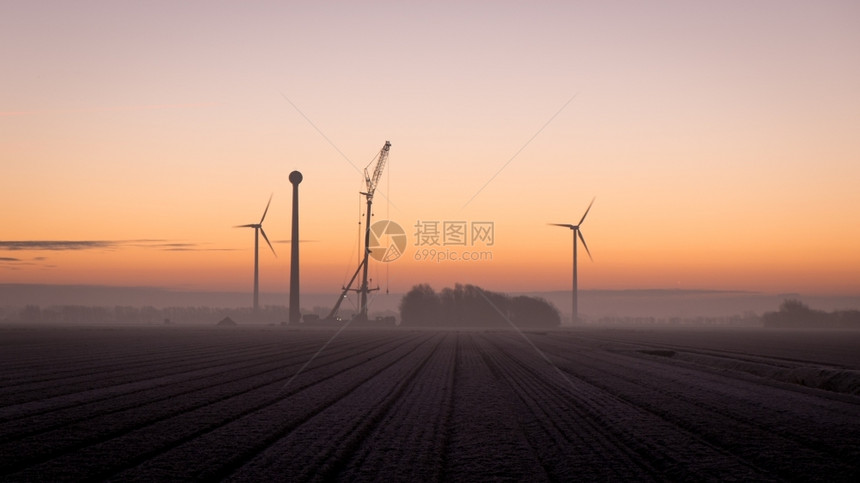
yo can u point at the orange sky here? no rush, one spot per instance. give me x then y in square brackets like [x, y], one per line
[719, 139]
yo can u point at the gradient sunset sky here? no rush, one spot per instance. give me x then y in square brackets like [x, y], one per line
[721, 140]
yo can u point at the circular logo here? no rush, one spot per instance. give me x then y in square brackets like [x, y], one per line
[387, 241]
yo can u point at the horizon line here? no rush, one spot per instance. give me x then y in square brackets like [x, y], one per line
[654, 290]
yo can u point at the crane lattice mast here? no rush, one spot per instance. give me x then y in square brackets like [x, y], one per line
[372, 181]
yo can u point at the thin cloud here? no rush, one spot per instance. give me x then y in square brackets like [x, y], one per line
[57, 245]
[13, 263]
[179, 246]
[170, 246]
[78, 245]
[194, 249]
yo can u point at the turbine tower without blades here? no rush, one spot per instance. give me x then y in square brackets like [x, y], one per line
[577, 232]
[258, 229]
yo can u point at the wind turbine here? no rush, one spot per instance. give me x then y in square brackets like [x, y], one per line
[574, 318]
[258, 228]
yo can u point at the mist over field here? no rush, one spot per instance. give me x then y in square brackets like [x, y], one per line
[595, 304]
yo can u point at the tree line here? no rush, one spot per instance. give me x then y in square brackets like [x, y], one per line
[147, 315]
[472, 306]
[794, 313]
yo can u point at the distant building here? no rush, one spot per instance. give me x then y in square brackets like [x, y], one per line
[227, 321]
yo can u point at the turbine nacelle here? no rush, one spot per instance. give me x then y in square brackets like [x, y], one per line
[577, 231]
[259, 226]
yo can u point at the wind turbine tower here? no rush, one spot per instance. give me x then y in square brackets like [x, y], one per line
[258, 229]
[574, 317]
[295, 312]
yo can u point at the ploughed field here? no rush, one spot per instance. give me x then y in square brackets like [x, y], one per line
[251, 404]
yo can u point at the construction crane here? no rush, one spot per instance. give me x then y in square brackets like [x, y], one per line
[372, 181]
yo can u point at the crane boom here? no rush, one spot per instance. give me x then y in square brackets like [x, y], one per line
[373, 181]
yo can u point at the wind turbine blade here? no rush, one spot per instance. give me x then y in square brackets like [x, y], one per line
[582, 239]
[267, 208]
[267, 240]
[587, 210]
[244, 226]
[562, 224]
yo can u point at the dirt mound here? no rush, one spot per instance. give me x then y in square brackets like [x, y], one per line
[834, 379]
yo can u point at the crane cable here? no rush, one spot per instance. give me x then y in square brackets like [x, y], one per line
[388, 217]
[356, 247]
[358, 239]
